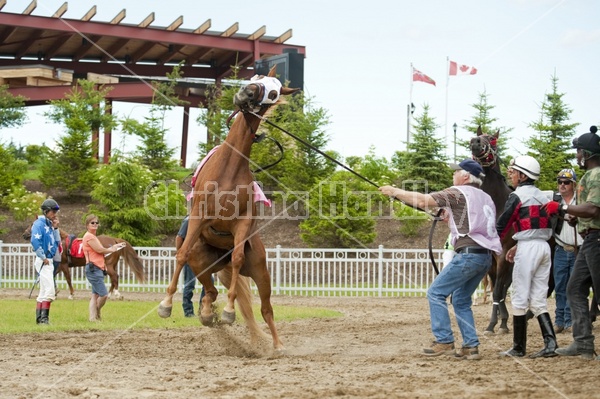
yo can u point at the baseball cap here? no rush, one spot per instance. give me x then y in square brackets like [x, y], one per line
[470, 166]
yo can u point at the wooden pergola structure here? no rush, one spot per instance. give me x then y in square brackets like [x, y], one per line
[42, 57]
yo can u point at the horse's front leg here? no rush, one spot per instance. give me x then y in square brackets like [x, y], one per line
[166, 305]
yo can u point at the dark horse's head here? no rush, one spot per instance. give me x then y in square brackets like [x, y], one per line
[260, 93]
[483, 148]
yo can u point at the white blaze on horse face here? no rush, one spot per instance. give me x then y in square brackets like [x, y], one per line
[272, 88]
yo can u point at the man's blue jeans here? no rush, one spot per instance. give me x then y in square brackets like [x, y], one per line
[586, 274]
[563, 266]
[189, 286]
[460, 279]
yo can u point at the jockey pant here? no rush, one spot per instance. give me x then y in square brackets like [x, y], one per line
[530, 277]
[46, 272]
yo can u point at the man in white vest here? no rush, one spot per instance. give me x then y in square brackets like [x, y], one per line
[472, 225]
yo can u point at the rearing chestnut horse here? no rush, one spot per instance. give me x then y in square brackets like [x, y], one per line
[483, 150]
[222, 234]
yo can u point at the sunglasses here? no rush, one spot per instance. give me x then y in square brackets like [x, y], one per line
[565, 182]
[94, 222]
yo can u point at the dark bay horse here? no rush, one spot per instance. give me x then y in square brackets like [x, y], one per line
[222, 234]
[128, 253]
[483, 150]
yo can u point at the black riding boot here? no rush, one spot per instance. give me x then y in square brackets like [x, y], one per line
[38, 312]
[519, 337]
[550, 344]
[45, 313]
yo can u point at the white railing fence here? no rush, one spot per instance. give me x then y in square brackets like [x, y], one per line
[294, 271]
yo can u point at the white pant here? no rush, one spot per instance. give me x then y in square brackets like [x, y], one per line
[46, 272]
[530, 277]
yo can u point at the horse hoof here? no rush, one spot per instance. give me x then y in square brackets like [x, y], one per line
[164, 311]
[486, 332]
[70, 297]
[208, 321]
[228, 317]
[503, 331]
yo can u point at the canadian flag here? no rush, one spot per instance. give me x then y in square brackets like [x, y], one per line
[419, 76]
[456, 69]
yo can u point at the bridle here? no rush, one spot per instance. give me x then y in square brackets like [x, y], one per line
[488, 155]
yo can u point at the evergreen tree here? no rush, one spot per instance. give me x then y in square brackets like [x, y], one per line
[301, 167]
[484, 119]
[154, 151]
[423, 167]
[552, 144]
[82, 111]
[122, 200]
[340, 213]
[12, 108]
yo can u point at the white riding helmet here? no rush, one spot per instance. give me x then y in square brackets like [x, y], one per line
[527, 165]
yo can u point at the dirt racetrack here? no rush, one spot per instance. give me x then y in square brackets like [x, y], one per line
[373, 351]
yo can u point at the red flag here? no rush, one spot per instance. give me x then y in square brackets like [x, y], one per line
[419, 76]
[456, 69]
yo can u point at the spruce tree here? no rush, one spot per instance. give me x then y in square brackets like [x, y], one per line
[552, 144]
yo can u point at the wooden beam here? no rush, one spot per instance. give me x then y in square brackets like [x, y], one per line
[32, 6]
[2, 4]
[147, 21]
[175, 24]
[63, 9]
[135, 57]
[90, 14]
[260, 32]
[168, 55]
[231, 30]
[204, 27]
[118, 18]
[283, 37]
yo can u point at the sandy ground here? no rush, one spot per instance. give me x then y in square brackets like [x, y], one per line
[373, 351]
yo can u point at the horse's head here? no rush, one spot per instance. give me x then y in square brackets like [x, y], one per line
[260, 93]
[483, 148]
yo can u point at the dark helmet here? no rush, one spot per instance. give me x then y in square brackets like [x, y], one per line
[588, 141]
[50, 205]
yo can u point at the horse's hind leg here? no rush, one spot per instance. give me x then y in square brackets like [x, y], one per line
[503, 329]
[67, 272]
[207, 312]
[114, 282]
[496, 299]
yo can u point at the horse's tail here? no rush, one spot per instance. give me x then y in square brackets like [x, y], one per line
[244, 300]
[133, 261]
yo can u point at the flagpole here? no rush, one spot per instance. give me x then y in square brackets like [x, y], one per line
[408, 113]
[447, 81]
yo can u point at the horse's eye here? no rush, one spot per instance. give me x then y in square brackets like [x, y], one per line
[272, 95]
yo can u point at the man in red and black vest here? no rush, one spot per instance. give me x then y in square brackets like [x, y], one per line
[531, 255]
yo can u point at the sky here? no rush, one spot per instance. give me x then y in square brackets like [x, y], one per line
[359, 56]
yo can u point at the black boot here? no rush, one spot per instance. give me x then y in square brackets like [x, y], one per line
[519, 337]
[38, 315]
[550, 344]
[45, 313]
